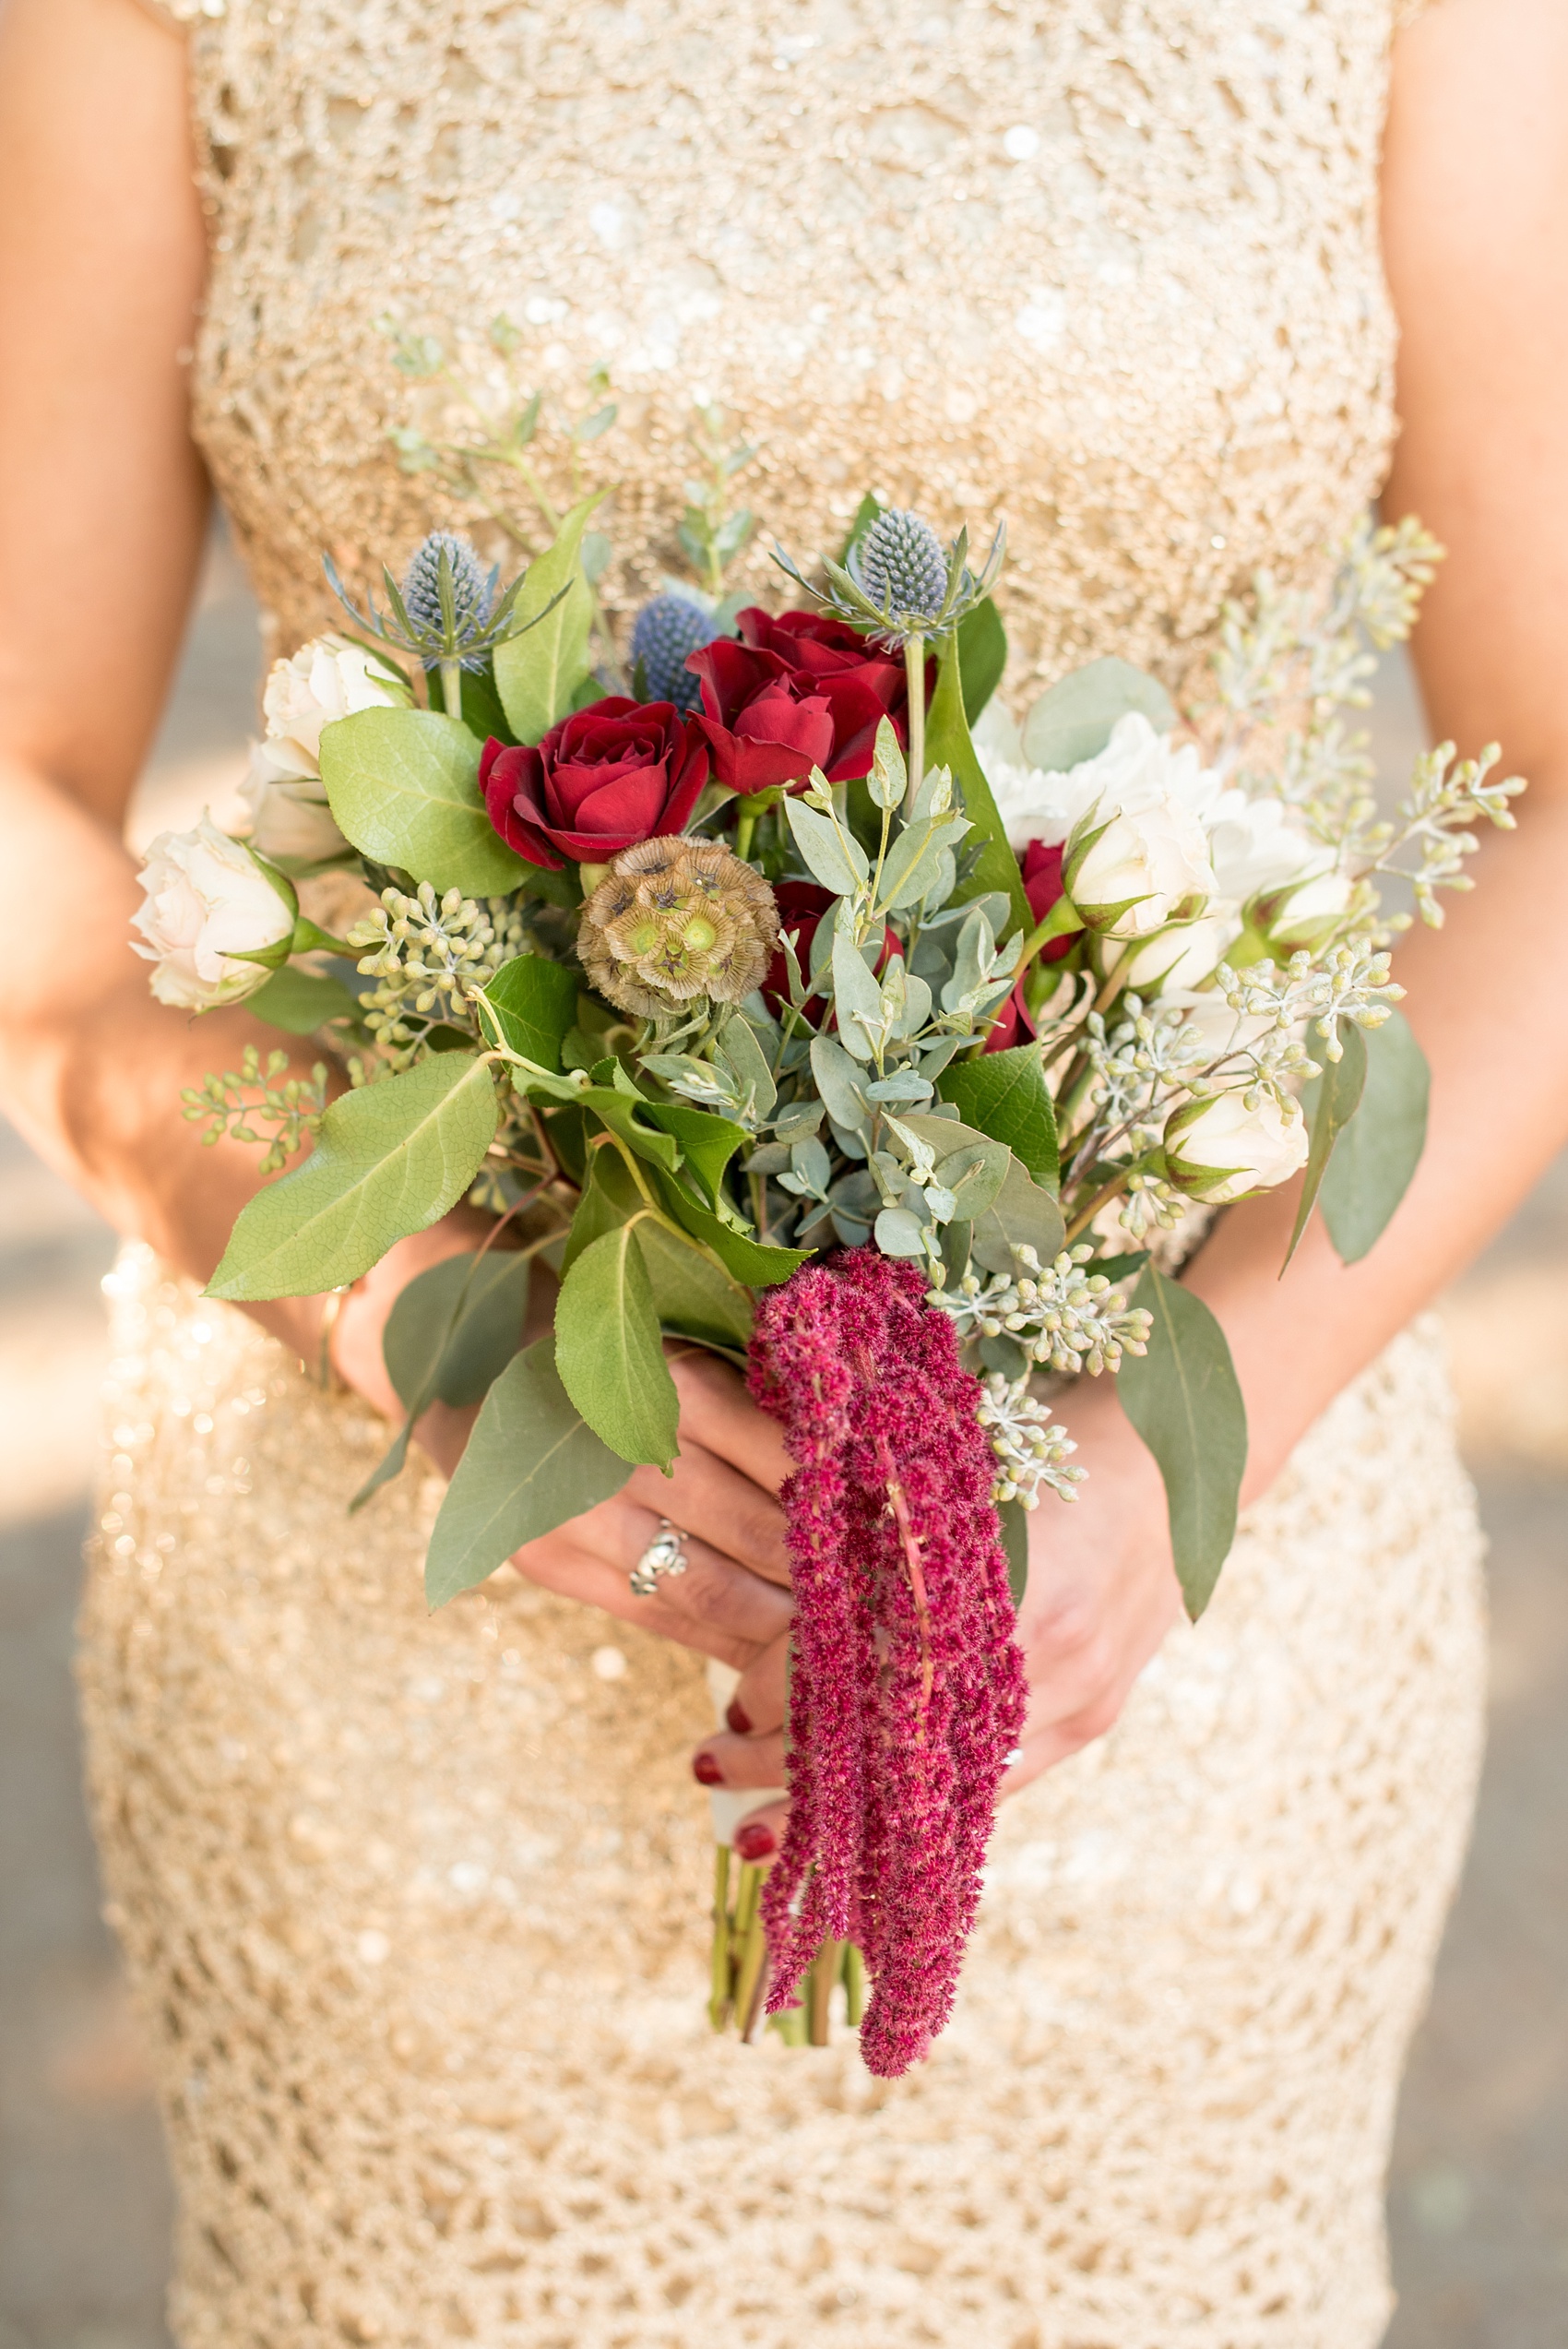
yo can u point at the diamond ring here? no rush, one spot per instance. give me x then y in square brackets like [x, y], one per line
[665, 1554]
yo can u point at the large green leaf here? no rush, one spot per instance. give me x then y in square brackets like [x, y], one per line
[539, 672]
[535, 1002]
[1022, 1215]
[947, 745]
[1330, 1101]
[1073, 722]
[692, 1296]
[626, 1115]
[752, 1262]
[299, 1002]
[1380, 1149]
[449, 1335]
[983, 656]
[531, 1463]
[404, 787]
[390, 1159]
[707, 1142]
[1006, 1094]
[1183, 1399]
[608, 1350]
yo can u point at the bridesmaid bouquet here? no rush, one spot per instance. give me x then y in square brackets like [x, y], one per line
[788, 998]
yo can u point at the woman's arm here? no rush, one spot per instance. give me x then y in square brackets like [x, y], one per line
[102, 509]
[1476, 236]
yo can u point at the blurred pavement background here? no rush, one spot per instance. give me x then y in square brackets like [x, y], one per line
[1478, 2200]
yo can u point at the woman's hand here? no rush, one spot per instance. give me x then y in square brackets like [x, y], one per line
[733, 1602]
[1102, 1594]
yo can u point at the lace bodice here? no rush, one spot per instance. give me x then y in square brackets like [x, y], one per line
[1108, 266]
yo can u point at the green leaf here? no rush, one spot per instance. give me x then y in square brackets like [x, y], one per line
[404, 787]
[390, 1159]
[1330, 1101]
[1182, 1398]
[538, 671]
[1022, 1215]
[947, 745]
[535, 1002]
[299, 1002]
[983, 656]
[692, 1296]
[531, 1463]
[608, 1350]
[624, 1113]
[1379, 1149]
[454, 1328]
[1006, 1094]
[752, 1262]
[835, 857]
[1073, 722]
[708, 1142]
[865, 515]
[610, 1198]
[1014, 1519]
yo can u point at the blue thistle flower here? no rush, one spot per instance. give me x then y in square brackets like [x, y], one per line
[902, 566]
[473, 589]
[665, 631]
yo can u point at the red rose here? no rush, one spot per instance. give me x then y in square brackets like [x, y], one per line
[797, 692]
[1042, 887]
[604, 779]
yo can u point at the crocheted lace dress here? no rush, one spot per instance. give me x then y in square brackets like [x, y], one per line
[417, 1908]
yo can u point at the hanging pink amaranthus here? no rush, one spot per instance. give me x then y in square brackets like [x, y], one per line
[907, 1688]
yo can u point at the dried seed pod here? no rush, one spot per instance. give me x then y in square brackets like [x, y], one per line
[674, 919]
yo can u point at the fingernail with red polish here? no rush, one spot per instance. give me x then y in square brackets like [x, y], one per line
[755, 1843]
[737, 1718]
[706, 1770]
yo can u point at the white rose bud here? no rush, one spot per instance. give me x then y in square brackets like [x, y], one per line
[1184, 956]
[1219, 1150]
[290, 817]
[1129, 868]
[1305, 913]
[328, 679]
[208, 902]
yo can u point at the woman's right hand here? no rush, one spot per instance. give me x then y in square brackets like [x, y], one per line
[733, 1600]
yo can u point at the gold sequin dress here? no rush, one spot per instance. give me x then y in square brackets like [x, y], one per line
[415, 1907]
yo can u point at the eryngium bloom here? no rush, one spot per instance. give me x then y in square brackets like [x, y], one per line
[673, 919]
[907, 1689]
[665, 631]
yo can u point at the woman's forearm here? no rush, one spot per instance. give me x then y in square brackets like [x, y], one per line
[1485, 997]
[91, 1068]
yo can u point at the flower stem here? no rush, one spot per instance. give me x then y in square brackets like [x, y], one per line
[745, 825]
[824, 1975]
[854, 1984]
[452, 686]
[914, 670]
[718, 2002]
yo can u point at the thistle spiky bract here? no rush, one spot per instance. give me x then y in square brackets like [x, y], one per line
[667, 628]
[890, 588]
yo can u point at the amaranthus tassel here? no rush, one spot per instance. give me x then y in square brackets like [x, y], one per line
[907, 1689]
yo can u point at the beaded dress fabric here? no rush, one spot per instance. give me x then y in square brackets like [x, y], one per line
[417, 1907]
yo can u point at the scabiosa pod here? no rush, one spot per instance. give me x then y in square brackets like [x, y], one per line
[907, 1689]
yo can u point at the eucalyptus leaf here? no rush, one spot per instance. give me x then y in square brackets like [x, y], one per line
[403, 785]
[835, 857]
[983, 656]
[899, 1233]
[1014, 1519]
[1006, 1094]
[1022, 1215]
[838, 1082]
[608, 1350]
[300, 1002]
[1073, 722]
[739, 1045]
[889, 777]
[856, 999]
[531, 1462]
[390, 1159]
[1379, 1150]
[1331, 1101]
[974, 1173]
[915, 858]
[538, 671]
[949, 745]
[1183, 1399]
[535, 1002]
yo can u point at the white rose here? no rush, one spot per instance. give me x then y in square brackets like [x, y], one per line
[290, 817]
[1185, 955]
[1037, 803]
[328, 679]
[1137, 856]
[1254, 846]
[1219, 1150]
[208, 902]
[1300, 916]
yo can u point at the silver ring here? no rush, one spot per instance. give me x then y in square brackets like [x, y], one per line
[665, 1554]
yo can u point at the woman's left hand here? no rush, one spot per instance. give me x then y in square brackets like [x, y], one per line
[1102, 1595]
